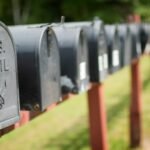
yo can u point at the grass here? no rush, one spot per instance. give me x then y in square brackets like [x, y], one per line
[66, 126]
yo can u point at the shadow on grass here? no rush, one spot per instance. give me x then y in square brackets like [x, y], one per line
[74, 138]
[116, 110]
[146, 83]
[77, 136]
[146, 73]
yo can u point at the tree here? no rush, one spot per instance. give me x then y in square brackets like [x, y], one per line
[36, 11]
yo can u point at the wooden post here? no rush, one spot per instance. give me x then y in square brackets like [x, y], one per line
[97, 118]
[24, 117]
[135, 106]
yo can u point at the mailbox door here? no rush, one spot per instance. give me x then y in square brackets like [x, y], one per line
[116, 54]
[126, 44]
[113, 45]
[37, 57]
[68, 58]
[122, 37]
[147, 31]
[128, 47]
[83, 70]
[9, 105]
[136, 44]
[98, 61]
[91, 33]
[103, 55]
[73, 58]
[143, 37]
[49, 65]
[97, 48]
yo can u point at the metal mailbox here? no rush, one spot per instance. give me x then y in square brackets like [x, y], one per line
[145, 37]
[38, 66]
[114, 46]
[126, 44]
[97, 48]
[136, 44]
[73, 57]
[9, 94]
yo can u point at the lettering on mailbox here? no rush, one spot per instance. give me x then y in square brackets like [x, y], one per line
[2, 102]
[3, 69]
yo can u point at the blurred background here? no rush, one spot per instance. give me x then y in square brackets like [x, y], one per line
[66, 126]
[36, 11]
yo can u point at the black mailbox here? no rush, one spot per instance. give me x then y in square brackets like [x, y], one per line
[9, 94]
[38, 66]
[136, 44]
[144, 37]
[126, 44]
[97, 48]
[114, 46]
[73, 57]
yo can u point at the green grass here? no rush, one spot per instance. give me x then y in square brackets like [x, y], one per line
[66, 126]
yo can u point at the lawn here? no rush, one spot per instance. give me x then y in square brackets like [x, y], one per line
[66, 126]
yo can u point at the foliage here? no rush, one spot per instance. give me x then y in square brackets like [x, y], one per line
[35, 11]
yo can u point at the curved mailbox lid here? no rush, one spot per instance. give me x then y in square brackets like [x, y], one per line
[9, 94]
[38, 66]
[97, 48]
[73, 56]
[136, 44]
[126, 44]
[114, 46]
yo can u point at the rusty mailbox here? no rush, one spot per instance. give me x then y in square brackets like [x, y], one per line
[73, 57]
[38, 66]
[9, 94]
[97, 48]
[114, 47]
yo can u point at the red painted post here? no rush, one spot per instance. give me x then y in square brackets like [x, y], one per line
[97, 118]
[24, 117]
[135, 106]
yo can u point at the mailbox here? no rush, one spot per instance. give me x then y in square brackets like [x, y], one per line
[114, 46]
[145, 37]
[73, 57]
[38, 66]
[136, 44]
[97, 48]
[9, 94]
[126, 44]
